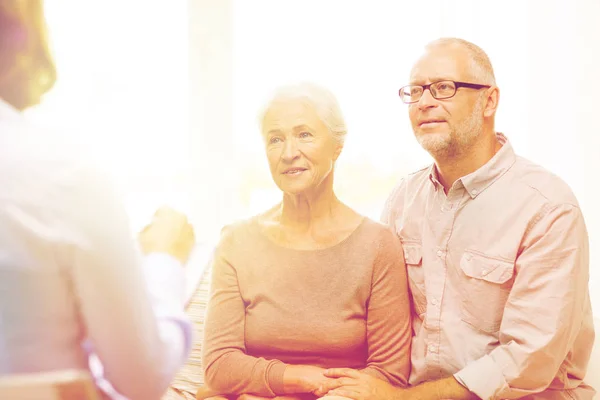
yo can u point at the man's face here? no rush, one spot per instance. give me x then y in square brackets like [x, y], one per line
[446, 127]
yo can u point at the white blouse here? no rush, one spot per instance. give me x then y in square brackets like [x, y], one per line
[71, 280]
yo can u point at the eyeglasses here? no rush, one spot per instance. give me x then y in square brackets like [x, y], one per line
[439, 90]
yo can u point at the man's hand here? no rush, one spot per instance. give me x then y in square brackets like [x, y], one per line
[358, 386]
[169, 232]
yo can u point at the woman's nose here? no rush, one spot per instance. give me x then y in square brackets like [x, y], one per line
[290, 150]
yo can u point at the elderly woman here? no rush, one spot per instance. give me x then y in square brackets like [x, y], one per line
[309, 284]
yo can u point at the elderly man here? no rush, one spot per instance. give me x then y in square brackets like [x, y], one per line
[496, 249]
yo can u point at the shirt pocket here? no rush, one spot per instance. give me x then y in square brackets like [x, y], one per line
[485, 291]
[413, 257]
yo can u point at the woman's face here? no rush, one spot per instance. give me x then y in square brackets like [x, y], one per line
[300, 148]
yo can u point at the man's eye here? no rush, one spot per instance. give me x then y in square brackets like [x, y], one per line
[304, 134]
[274, 140]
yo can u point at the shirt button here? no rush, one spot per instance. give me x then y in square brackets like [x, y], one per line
[469, 257]
[432, 348]
[484, 272]
[434, 302]
[440, 253]
[474, 192]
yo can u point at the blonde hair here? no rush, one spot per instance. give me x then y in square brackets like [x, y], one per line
[324, 102]
[27, 69]
[481, 66]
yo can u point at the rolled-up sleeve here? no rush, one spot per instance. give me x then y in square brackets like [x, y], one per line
[544, 312]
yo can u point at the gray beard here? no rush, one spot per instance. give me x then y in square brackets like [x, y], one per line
[458, 141]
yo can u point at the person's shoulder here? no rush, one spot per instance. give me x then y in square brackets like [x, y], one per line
[46, 165]
[239, 232]
[412, 179]
[380, 234]
[382, 243]
[34, 142]
[407, 184]
[543, 183]
[421, 173]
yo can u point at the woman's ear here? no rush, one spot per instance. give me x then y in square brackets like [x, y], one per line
[338, 151]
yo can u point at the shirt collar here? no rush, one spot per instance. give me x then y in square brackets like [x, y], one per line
[433, 177]
[476, 182]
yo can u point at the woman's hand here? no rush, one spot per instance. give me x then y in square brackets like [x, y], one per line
[303, 379]
[205, 393]
[253, 397]
[327, 397]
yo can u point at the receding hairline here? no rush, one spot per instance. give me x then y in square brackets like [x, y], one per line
[481, 66]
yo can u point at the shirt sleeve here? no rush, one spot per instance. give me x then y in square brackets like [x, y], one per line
[227, 367]
[544, 311]
[389, 331]
[133, 314]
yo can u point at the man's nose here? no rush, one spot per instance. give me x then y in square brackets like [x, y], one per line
[427, 100]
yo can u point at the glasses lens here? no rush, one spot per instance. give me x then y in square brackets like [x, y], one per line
[411, 93]
[443, 89]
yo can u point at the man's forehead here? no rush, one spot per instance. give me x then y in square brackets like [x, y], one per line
[438, 64]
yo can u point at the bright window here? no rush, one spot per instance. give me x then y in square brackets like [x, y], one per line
[123, 86]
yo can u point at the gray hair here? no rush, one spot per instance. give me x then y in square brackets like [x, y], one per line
[481, 66]
[324, 102]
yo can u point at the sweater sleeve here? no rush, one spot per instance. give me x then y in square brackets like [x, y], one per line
[227, 367]
[388, 317]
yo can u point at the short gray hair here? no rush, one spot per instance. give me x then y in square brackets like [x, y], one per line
[481, 66]
[324, 102]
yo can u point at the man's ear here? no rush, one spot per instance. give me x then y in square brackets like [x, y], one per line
[492, 100]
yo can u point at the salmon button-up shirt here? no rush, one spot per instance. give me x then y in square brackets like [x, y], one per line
[498, 270]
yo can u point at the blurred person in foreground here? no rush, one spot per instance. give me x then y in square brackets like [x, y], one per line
[71, 279]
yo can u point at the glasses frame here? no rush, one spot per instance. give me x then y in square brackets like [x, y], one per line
[457, 85]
